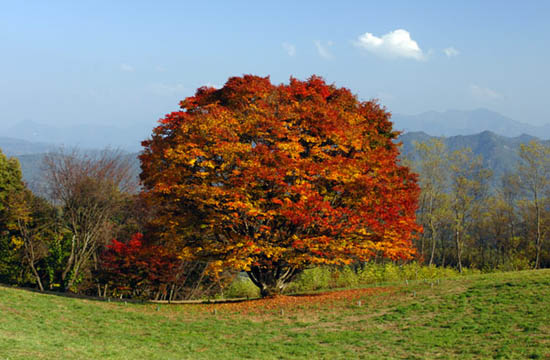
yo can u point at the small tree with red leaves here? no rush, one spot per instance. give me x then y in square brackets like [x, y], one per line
[139, 270]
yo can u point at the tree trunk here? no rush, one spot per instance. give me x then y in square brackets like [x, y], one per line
[74, 274]
[273, 280]
[434, 237]
[70, 260]
[458, 251]
[539, 235]
[38, 280]
[537, 260]
[443, 254]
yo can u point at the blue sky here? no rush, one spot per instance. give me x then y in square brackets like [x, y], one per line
[129, 62]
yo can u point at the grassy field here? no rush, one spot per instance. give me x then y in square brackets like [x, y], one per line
[504, 315]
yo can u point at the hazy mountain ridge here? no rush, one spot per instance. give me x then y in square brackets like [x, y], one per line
[448, 123]
[500, 153]
[82, 136]
[495, 137]
[17, 147]
[458, 122]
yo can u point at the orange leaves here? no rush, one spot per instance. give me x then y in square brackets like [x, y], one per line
[273, 305]
[277, 201]
[302, 173]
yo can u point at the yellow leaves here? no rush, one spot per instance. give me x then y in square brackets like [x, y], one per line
[309, 139]
[187, 253]
[357, 143]
[12, 226]
[204, 164]
[292, 149]
[215, 267]
[209, 164]
[254, 212]
[16, 242]
[163, 188]
[242, 264]
[273, 252]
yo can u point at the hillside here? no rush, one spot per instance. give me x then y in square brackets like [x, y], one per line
[500, 153]
[500, 315]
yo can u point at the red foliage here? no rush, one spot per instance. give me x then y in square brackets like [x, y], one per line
[132, 267]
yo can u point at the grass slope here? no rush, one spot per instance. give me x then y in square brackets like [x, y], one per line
[505, 315]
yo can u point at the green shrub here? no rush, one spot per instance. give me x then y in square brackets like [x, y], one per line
[345, 277]
[325, 277]
[241, 287]
[515, 263]
[311, 279]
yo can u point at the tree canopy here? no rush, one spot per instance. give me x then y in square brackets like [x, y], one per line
[11, 186]
[271, 179]
[10, 180]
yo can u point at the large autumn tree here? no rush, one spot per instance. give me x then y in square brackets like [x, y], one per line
[271, 179]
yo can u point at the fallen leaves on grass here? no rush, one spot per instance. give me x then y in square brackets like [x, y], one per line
[331, 299]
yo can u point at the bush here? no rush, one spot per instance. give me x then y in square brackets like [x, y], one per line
[144, 271]
[515, 263]
[312, 279]
[320, 278]
[241, 287]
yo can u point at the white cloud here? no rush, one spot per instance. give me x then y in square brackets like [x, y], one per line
[395, 44]
[289, 48]
[483, 93]
[323, 49]
[126, 68]
[451, 51]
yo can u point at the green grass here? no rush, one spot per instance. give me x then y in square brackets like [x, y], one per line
[502, 315]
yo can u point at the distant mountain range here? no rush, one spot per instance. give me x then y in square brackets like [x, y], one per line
[17, 147]
[82, 136]
[500, 153]
[499, 146]
[457, 122]
[40, 137]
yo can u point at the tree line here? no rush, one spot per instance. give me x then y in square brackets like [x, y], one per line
[67, 240]
[468, 222]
